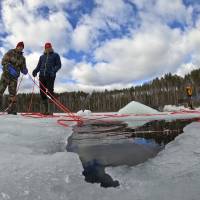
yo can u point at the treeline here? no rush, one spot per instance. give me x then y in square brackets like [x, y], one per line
[169, 89]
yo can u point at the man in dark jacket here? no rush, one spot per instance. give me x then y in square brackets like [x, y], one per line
[48, 65]
[13, 63]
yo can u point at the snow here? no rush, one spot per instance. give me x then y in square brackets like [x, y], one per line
[137, 108]
[84, 112]
[34, 164]
[170, 108]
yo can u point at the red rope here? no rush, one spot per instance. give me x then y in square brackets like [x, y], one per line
[56, 102]
[79, 119]
[31, 101]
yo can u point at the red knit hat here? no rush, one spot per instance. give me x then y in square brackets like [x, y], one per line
[47, 45]
[20, 44]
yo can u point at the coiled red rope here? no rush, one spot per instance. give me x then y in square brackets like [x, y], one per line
[63, 108]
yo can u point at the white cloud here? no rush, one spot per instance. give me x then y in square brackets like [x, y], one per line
[32, 60]
[66, 69]
[166, 12]
[63, 87]
[130, 59]
[106, 16]
[82, 37]
[193, 38]
[22, 24]
[32, 4]
[172, 10]
[152, 50]
[186, 69]
[148, 50]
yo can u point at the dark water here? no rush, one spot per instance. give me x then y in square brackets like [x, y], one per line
[100, 145]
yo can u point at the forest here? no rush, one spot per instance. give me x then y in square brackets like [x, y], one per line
[169, 89]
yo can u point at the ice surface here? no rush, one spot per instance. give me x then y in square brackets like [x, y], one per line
[173, 174]
[137, 108]
[33, 160]
[34, 165]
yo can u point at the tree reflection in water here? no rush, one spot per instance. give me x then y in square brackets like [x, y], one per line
[110, 144]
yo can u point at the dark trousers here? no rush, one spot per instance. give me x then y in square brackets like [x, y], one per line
[46, 82]
[190, 104]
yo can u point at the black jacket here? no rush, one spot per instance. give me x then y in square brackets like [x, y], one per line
[48, 64]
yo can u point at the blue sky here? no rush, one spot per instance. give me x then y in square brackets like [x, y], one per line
[105, 44]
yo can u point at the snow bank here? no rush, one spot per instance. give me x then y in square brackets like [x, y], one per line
[84, 113]
[173, 108]
[137, 108]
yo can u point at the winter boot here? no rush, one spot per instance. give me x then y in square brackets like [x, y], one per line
[12, 110]
[50, 107]
[46, 108]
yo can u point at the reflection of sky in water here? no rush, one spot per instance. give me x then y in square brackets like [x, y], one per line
[104, 144]
[143, 141]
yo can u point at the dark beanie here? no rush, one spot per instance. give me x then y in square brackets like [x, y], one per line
[20, 44]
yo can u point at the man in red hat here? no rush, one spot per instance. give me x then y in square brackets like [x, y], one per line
[48, 65]
[13, 63]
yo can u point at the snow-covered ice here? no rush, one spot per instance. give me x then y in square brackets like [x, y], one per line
[35, 165]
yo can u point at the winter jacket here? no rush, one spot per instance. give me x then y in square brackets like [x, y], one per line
[16, 59]
[189, 91]
[49, 64]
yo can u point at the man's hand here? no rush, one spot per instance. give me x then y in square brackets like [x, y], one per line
[34, 73]
[24, 71]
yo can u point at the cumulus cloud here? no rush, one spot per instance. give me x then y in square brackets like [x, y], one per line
[130, 59]
[63, 87]
[173, 11]
[104, 18]
[152, 50]
[163, 10]
[23, 22]
[185, 69]
[124, 41]
[82, 37]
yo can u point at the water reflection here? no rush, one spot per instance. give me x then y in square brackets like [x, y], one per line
[104, 144]
[162, 132]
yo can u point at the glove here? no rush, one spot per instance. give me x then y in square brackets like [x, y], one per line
[12, 71]
[24, 71]
[34, 73]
